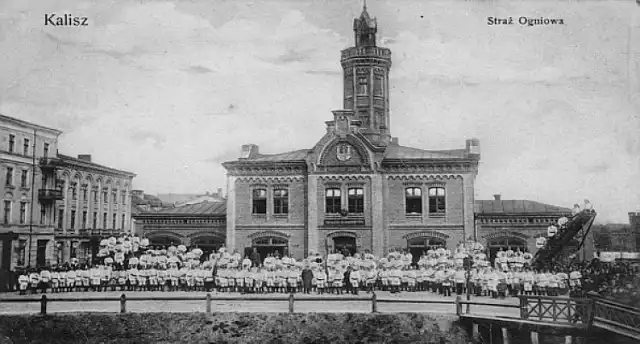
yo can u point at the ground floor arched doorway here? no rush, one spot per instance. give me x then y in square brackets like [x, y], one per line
[345, 245]
[505, 243]
[420, 245]
[269, 245]
[208, 244]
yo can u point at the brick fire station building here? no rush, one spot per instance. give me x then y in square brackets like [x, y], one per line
[357, 188]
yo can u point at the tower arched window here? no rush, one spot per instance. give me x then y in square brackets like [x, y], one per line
[363, 85]
[378, 87]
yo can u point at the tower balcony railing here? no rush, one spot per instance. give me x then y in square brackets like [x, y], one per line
[50, 195]
[367, 52]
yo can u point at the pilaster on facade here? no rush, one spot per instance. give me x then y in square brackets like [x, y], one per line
[231, 212]
[313, 240]
[377, 215]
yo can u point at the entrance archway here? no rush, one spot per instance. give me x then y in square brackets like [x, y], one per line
[420, 245]
[269, 245]
[505, 243]
[208, 244]
[345, 244]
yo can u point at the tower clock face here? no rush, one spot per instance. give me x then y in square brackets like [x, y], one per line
[343, 152]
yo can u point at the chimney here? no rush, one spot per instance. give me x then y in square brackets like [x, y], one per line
[496, 197]
[394, 141]
[473, 147]
[85, 157]
[249, 151]
[219, 192]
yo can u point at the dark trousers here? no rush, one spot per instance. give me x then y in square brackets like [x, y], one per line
[459, 288]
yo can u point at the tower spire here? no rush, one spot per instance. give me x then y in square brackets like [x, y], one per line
[364, 6]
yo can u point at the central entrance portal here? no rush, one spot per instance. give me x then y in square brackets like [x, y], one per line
[270, 245]
[344, 245]
[419, 246]
[208, 245]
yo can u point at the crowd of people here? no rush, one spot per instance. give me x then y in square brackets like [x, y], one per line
[130, 264]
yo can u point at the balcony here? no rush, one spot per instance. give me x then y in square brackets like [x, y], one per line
[49, 164]
[103, 233]
[50, 195]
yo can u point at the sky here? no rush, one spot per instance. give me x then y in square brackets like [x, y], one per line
[170, 89]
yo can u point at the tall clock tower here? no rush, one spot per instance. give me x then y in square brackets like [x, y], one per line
[366, 80]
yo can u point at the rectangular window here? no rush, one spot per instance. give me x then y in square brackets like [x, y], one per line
[123, 220]
[12, 143]
[84, 219]
[333, 201]
[60, 218]
[43, 214]
[114, 195]
[259, 201]
[378, 86]
[113, 222]
[436, 201]
[356, 200]
[74, 191]
[105, 196]
[363, 85]
[25, 147]
[23, 213]
[74, 250]
[123, 198]
[95, 220]
[73, 219]
[9, 177]
[45, 152]
[104, 221]
[95, 196]
[24, 177]
[280, 201]
[413, 197]
[7, 212]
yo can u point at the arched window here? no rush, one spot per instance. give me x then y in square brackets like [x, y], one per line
[259, 201]
[413, 197]
[437, 204]
[280, 201]
[356, 200]
[333, 201]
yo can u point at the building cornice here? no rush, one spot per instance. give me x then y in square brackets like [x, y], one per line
[433, 166]
[28, 125]
[275, 179]
[77, 164]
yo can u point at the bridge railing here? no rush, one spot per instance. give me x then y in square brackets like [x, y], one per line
[374, 301]
[616, 315]
[557, 309]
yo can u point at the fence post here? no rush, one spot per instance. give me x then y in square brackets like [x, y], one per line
[123, 303]
[291, 303]
[458, 305]
[43, 304]
[208, 303]
[374, 303]
[505, 336]
[524, 311]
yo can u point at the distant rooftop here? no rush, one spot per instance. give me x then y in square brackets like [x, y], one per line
[506, 207]
[204, 208]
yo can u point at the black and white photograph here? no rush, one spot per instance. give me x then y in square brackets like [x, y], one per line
[320, 171]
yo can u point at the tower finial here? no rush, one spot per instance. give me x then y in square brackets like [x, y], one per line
[364, 6]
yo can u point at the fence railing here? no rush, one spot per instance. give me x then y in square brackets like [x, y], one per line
[616, 315]
[557, 309]
[208, 298]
